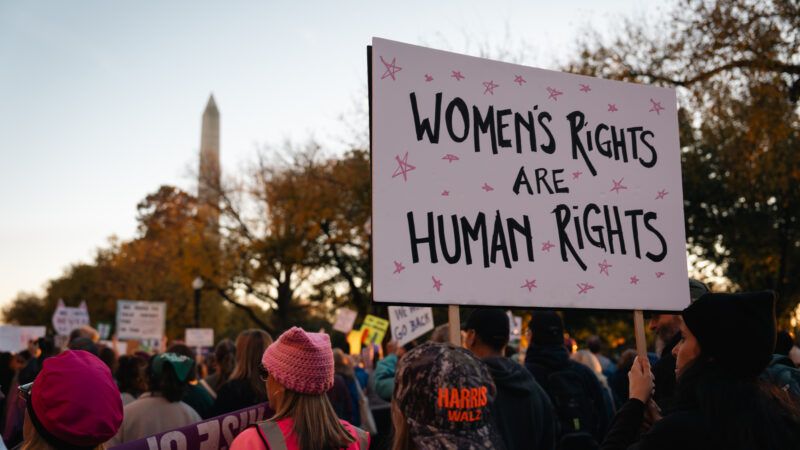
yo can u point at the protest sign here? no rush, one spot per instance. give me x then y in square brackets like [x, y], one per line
[212, 434]
[140, 319]
[104, 329]
[500, 184]
[409, 322]
[67, 318]
[376, 329]
[514, 326]
[345, 318]
[15, 338]
[199, 337]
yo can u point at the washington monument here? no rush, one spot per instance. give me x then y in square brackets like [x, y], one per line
[208, 182]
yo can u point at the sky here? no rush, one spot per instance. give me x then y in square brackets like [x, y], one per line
[100, 102]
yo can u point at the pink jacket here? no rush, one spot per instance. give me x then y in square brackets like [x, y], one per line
[253, 438]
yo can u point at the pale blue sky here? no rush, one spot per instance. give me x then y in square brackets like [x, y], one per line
[100, 102]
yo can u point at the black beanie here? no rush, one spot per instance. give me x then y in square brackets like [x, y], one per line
[491, 325]
[736, 331]
[547, 328]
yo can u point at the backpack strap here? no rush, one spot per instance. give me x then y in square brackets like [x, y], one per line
[362, 437]
[272, 435]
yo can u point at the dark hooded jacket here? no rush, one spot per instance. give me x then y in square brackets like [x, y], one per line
[543, 360]
[522, 411]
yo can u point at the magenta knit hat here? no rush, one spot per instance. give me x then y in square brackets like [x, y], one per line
[75, 402]
[300, 361]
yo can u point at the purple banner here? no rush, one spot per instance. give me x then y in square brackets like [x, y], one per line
[212, 434]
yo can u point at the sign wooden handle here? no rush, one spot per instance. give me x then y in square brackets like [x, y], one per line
[454, 324]
[638, 328]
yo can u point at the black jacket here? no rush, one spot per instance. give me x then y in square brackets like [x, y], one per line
[522, 411]
[235, 395]
[542, 360]
[684, 429]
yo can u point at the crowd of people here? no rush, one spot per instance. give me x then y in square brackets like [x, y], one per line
[721, 377]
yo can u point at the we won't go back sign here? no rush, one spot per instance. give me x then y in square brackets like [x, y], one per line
[500, 184]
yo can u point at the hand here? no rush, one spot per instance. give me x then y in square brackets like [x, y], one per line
[640, 380]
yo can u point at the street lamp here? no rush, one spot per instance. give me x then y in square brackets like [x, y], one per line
[197, 285]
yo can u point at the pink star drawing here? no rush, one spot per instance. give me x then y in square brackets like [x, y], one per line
[529, 284]
[585, 88]
[576, 175]
[437, 284]
[391, 69]
[457, 75]
[584, 288]
[546, 246]
[634, 280]
[604, 267]
[554, 93]
[428, 78]
[618, 186]
[403, 167]
[660, 274]
[661, 194]
[445, 193]
[612, 107]
[450, 157]
[489, 85]
[656, 107]
[398, 267]
[487, 188]
[519, 80]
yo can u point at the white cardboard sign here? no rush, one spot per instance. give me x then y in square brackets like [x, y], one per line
[409, 322]
[500, 184]
[140, 319]
[199, 337]
[67, 318]
[15, 338]
[345, 318]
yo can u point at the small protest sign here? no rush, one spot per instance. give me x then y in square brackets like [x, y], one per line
[16, 338]
[140, 319]
[104, 329]
[409, 322]
[212, 434]
[376, 328]
[345, 318]
[199, 337]
[67, 318]
[505, 185]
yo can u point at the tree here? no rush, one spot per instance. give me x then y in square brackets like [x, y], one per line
[736, 65]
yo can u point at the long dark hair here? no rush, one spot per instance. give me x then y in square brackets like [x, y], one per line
[741, 413]
[250, 346]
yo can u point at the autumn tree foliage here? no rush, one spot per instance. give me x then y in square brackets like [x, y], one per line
[736, 65]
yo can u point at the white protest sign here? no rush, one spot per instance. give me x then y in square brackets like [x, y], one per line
[140, 319]
[67, 318]
[199, 337]
[500, 184]
[15, 338]
[514, 326]
[345, 318]
[409, 322]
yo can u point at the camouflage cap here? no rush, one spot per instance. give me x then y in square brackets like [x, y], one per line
[446, 394]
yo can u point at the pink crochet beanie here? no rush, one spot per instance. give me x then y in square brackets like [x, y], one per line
[300, 361]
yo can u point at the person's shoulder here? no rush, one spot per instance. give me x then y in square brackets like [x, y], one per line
[355, 431]
[190, 412]
[248, 439]
[687, 423]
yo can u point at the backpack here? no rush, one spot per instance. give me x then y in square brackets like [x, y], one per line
[782, 373]
[573, 406]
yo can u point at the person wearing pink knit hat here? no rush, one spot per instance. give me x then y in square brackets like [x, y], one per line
[298, 371]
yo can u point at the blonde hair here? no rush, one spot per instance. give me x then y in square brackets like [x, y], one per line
[35, 441]
[315, 422]
[400, 440]
[250, 346]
